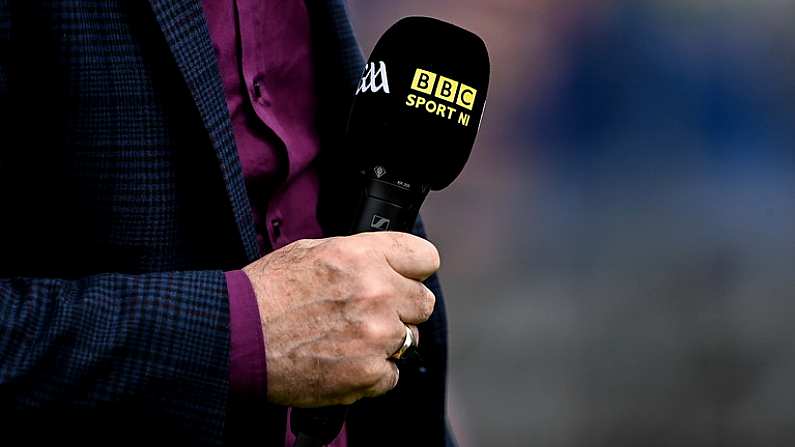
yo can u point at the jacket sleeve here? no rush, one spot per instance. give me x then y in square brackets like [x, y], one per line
[106, 352]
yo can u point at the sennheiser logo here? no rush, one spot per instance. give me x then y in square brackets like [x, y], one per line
[438, 87]
[380, 223]
[374, 79]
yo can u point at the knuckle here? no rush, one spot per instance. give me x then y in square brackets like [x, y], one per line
[334, 256]
[387, 381]
[374, 291]
[375, 330]
[369, 374]
[397, 331]
[352, 253]
[300, 243]
[332, 249]
[373, 373]
[356, 246]
[303, 246]
[427, 303]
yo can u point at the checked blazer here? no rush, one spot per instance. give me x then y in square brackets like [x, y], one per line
[122, 202]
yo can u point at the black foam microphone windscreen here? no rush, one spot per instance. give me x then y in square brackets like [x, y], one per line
[418, 107]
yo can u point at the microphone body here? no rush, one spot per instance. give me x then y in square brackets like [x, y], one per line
[388, 204]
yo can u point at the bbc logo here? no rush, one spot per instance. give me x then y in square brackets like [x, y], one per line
[444, 88]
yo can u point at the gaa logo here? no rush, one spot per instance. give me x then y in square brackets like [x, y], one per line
[374, 80]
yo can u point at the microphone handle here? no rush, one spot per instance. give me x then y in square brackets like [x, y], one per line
[388, 206]
[385, 206]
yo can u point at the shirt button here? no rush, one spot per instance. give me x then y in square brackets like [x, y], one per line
[276, 226]
[258, 90]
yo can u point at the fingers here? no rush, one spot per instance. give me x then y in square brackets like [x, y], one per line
[388, 380]
[410, 256]
[415, 301]
[415, 331]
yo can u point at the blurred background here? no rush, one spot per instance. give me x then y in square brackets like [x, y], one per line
[619, 254]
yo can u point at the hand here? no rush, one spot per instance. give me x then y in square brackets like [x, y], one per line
[334, 310]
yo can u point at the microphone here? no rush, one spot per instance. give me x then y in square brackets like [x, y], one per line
[415, 117]
[413, 121]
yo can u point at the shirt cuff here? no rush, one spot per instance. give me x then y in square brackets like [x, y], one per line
[247, 364]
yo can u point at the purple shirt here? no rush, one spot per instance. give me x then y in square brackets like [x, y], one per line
[265, 59]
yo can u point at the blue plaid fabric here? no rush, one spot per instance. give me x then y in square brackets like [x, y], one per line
[122, 202]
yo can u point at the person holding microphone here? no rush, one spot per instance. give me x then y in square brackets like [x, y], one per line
[170, 266]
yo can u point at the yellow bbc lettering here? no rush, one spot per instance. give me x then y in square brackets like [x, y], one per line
[423, 81]
[466, 97]
[446, 89]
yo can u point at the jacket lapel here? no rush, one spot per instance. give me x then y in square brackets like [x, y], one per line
[185, 30]
[338, 42]
[338, 68]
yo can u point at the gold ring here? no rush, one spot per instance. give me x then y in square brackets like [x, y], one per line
[408, 342]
